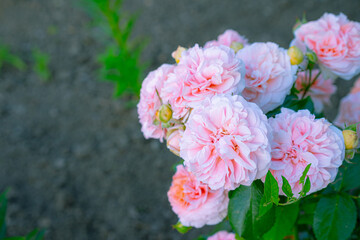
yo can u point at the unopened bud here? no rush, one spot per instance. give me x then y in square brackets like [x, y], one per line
[236, 46]
[164, 113]
[312, 57]
[173, 137]
[177, 54]
[296, 55]
[351, 139]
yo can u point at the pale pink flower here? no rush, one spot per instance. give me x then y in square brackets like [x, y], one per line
[150, 102]
[300, 139]
[173, 91]
[194, 202]
[349, 112]
[356, 87]
[173, 138]
[336, 42]
[227, 38]
[269, 75]
[226, 142]
[222, 235]
[202, 73]
[320, 92]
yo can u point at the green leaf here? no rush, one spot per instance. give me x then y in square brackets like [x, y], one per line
[41, 64]
[201, 238]
[7, 57]
[284, 222]
[289, 101]
[222, 226]
[286, 188]
[294, 103]
[303, 176]
[243, 212]
[271, 189]
[237, 237]
[305, 103]
[351, 174]
[35, 235]
[307, 186]
[306, 216]
[334, 218]
[264, 206]
[181, 228]
[3, 208]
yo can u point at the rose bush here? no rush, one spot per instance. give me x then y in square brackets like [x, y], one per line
[257, 156]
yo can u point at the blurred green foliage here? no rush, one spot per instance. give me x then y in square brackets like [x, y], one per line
[34, 235]
[41, 64]
[120, 62]
[6, 57]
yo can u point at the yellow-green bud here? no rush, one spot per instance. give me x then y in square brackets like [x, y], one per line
[165, 113]
[296, 55]
[236, 46]
[311, 56]
[351, 139]
[177, 53]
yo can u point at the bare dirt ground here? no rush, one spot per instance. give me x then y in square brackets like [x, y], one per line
[74, 157]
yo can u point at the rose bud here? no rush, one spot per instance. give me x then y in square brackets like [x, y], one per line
[236, 46]
[165, 113]
[296, 55]
[177, 54]
[350, 138]
[173, 139]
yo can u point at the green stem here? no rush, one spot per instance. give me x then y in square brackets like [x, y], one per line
[311, 83]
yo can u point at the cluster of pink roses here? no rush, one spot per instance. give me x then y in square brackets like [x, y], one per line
[210, 107]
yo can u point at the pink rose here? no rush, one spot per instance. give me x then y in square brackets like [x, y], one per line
[336, 42]
[173, 138]
[349, 112]
[227, 38]
[356, 87]
[226, 142]
[150, 102]
[320, 92]
[300, 139]
[269, 74]
[202, 73]
[222, 235]
[194, 202]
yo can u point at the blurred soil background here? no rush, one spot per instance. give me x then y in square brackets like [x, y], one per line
[74, 156]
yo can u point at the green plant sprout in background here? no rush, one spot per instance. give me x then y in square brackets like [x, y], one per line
[33, 235]
[120, 62]
[6, 57]
[41, 64]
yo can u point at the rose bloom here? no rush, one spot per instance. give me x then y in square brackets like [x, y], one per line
[336, 42]
[194, 202]
[349, 112]
[226, 142]
[227, 38]
[320, 92]
[269, 74]
[174, 135]
[356, 87]
[150, 102]
[222, 235]
[300, 139]
[202, 73]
